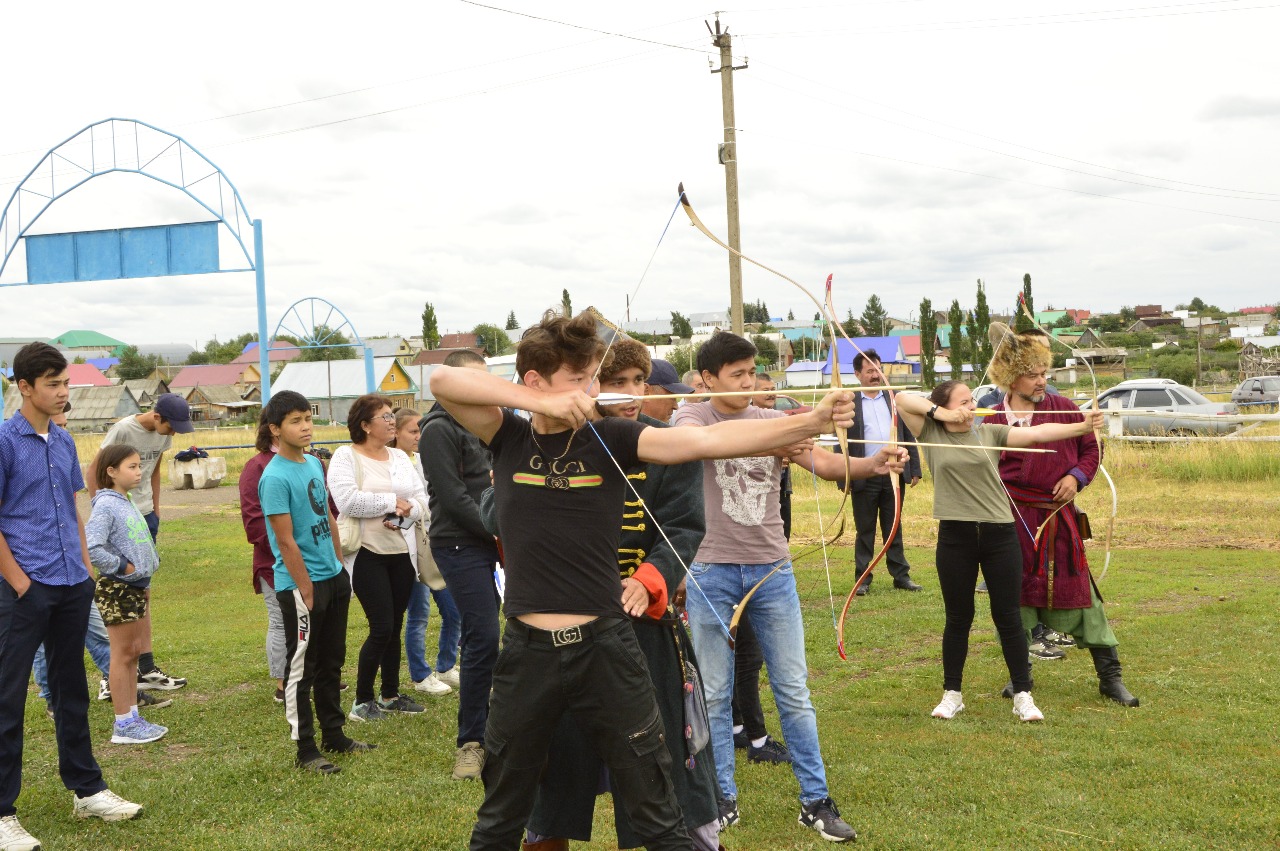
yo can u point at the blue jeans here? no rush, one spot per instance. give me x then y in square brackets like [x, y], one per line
[95, 641]
[415, 631]
[776, 620]
[468, 571]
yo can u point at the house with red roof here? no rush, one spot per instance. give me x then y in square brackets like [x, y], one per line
[238, 375]
[86, 375]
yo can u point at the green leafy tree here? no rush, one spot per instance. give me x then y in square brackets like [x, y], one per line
[791, 316]
[957, 350]
[980, 339]
[810, 348]
[134, 365]
[757, 313]
[681, 357]
[766, 350]
[215, 352]
[928, 344]
[1064, 321]
[971, 349]
[1128, 316]
[492, 339]
[513, 324]
[430, 327]
[566, 304]
[336, 346]
[851, 326]
[874, 317]
[1020, 320]
[680, 326]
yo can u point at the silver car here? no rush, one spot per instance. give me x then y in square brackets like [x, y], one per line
[1161, 395]
[1262, 390]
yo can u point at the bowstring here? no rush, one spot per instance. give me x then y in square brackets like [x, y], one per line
[658, 526]
[595, 378]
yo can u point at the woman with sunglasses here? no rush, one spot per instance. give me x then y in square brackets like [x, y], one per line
[376, 485]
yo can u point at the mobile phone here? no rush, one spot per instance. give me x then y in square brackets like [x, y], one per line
[398, 521]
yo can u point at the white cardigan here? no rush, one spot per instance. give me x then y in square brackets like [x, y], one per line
[360, 504]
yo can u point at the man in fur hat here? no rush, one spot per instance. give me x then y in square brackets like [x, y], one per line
[1057, 588]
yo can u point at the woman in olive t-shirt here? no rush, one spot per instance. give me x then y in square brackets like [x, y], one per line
[975, 530]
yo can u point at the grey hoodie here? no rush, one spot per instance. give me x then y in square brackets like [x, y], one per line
[117, 536]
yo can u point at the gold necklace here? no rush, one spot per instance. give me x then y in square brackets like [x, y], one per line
[554, 480]
[534, 434]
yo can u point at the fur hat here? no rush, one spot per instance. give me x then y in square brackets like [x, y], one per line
[624, 354]
[1015, 354]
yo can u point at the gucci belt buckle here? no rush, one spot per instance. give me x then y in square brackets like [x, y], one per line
[566, 636]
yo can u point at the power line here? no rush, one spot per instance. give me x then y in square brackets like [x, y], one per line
[868, 154]
[16, 179]
[1021, 21]
[414, 79]
[1021, 158]
[580, 26]
[995, 138]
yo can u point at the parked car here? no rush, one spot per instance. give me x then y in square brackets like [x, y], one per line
[1165, 394]
[1261, 390]
[791, 406]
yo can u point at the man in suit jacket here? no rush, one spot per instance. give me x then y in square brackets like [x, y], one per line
[873, 497]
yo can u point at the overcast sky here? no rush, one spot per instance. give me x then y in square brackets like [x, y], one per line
[484, 161]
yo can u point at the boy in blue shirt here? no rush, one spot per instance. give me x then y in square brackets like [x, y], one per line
[313, 589]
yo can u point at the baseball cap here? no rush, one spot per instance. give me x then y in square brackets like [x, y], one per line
[664, 375]
[175, 410]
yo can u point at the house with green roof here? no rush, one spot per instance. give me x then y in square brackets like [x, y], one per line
[88, 340]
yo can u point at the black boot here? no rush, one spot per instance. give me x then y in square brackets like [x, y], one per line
[1106, 661]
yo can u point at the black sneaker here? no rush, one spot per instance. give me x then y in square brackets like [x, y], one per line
[741, 741]
[279, 698]
[824, 817]
[317, 765]
[771, 751]
[147, 699]
[158, 679]
[728, 812]
[349, 745]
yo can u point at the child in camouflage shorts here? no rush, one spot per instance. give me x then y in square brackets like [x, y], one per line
[121, 549]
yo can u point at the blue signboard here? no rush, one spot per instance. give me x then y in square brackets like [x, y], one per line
[106, 255]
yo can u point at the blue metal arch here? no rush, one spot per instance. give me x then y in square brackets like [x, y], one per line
[64, 170]
[170, 160]
[306, 332]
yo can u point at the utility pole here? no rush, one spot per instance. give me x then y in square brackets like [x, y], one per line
[729, 159]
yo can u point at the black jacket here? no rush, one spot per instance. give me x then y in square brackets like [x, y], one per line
[859, 450]
[457, 468]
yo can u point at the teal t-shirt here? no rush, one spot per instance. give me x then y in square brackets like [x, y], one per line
[297, 489]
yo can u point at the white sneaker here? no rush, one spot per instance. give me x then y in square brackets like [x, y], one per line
[432, 685]
[950, 706]
[1025, 707]
[106, 805]
[104, 689]
[449, 677]
[14, 837]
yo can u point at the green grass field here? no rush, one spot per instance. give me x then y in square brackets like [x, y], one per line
[1191, 593]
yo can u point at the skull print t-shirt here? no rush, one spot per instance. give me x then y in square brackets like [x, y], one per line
[744, 525]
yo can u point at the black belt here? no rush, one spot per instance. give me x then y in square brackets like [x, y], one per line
[566, 635]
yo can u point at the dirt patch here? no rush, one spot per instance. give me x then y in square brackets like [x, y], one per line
[174, 504]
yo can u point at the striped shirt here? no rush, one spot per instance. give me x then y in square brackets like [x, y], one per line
[38, 483]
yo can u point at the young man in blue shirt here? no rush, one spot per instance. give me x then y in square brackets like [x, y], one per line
[45, 593]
